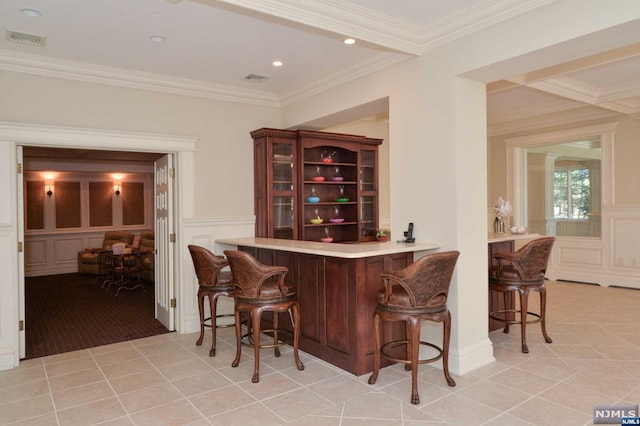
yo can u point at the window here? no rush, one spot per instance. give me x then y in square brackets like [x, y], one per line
[571, 193]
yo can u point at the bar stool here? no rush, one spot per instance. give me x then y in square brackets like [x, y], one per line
[414, 294]
[522, 271]
[261, 288]
[213, 283]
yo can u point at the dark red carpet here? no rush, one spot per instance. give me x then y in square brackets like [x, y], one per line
[69, 312]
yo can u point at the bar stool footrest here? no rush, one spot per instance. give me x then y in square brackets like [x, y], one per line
[494, 315]
[394, 344]
[247, 338]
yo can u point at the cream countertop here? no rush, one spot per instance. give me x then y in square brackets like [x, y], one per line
[520, 239]
[349, 251]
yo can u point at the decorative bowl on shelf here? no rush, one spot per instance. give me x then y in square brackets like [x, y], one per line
[337, 178]
[313, 199]
[317, 220]
[326, 239]
[518, 230]
[336, 220]
[327, 157]
[318, 178]
[342, 200]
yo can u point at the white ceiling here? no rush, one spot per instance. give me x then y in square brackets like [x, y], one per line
[211, 45]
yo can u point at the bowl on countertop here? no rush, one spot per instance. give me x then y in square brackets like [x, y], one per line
[326, 239]
[518, 230]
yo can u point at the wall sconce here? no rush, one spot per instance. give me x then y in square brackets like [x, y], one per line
[49, 189]
[116, 189]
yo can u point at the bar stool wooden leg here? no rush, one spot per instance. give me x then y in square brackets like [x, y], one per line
[238, 326]
[295, 309]
[376, 353]
[256, 316]
[201, 312]
[524, 298]
[414, 344]
[213, 303]
[543, 316]
[445, 349]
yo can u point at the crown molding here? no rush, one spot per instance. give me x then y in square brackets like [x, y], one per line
[36, 65]
[584, 114]
[332, 15]
[480, 15]
[48, 67]
[577, 91]
[343, 17]
[343, 76]
[531, 110]
[63, 136]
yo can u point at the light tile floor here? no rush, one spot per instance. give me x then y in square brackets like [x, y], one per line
[167, 380]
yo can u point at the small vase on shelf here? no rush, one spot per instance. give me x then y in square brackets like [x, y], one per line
[498, 225]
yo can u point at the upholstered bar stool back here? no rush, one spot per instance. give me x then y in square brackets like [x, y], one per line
[262, 288]
[414, 294]
[522, 271]
[213, 282]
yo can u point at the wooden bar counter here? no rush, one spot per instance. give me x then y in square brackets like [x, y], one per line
[338, 286]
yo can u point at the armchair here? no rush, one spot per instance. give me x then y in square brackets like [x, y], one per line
[89, 259]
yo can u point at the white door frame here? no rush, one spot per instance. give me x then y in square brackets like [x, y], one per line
[594, 253]
[21, 134]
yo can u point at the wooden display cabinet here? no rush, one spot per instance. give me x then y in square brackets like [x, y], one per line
[315, 186]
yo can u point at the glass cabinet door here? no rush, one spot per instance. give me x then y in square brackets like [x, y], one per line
[282, 191]
[368, 194]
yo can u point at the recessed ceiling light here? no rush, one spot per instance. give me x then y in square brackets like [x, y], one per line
[157, 38]
[277, 63]
[349, 41]
[31, 13]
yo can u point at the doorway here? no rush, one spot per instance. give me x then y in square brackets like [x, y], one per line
[19, 135]
[80, 204]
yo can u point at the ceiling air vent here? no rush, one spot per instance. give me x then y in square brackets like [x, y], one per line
[257, 78]
[24, 38]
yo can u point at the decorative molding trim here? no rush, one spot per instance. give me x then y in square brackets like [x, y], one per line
[480, 15]
[344, 18]
[209, 222]
[532, 111]
[330, 15]
[394, 33]
[342, 77]
[578, 117]
[48, 67]
[615, 100]
[60, 136]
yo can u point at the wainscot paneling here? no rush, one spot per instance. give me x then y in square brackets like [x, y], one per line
[613, 259]
[57, 253]
[204, 232]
